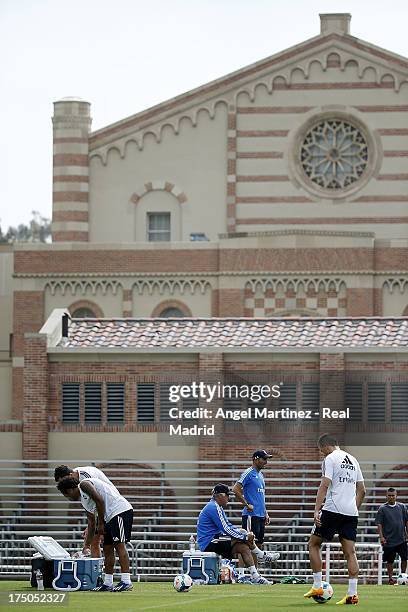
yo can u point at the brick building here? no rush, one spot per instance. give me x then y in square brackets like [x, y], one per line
[277, 191]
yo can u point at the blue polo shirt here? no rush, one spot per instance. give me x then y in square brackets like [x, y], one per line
[253, 485]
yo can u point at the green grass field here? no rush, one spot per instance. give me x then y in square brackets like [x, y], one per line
[222, 598]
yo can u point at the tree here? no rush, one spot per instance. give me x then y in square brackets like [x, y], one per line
[38, 230]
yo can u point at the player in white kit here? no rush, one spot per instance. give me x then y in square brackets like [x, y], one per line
[338, 500]
[93, 548]
[115, 515]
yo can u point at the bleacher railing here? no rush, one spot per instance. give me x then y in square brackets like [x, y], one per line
[167, 497]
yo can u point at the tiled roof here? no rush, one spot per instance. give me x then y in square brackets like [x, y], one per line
[150, 334]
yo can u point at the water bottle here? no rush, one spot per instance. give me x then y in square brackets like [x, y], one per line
[40, 581]
[191, 544]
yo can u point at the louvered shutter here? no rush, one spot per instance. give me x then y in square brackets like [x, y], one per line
[376, 402]
[93, 402]
[115, 399]
[354, 400]
[145, 402]
[399, 403]
[70, 402]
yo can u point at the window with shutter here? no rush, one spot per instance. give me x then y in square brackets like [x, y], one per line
[354, 400]
[311, 399]
[288, 396]
[115, 399]
[376, 399]
[165, 403]
[145, 402]
[70, 402]
[93, 402]
[399, 402]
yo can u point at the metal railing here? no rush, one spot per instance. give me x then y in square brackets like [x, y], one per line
[167, 497]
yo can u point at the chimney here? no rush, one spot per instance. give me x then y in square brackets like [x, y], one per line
[338, 23]
[71, 126]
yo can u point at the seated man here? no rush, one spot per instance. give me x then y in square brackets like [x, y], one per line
[115, 523]
[216, 534]
[79, 473]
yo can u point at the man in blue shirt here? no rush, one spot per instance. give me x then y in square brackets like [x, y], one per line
[215, 533]
[250, 491]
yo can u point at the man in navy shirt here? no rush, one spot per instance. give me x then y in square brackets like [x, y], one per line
[215, 533]
[392, 524]
[250, 491]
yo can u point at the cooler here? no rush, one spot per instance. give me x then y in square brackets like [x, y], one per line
[76, 574]
[60, 571]
[203, 566]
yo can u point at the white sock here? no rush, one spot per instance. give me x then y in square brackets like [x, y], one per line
[125, 577]
[241, 571]
[254, 571]
[352, 590]
[258, 552]
[108, 579]
[317, 580]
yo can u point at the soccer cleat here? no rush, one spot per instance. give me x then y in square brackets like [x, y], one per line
[392, 581]
[122, 586]
[270, 557]
[103, 588]
[348, 599]
[244, 580]
[314, 592]
[260, 580]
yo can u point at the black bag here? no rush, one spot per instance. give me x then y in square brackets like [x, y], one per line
[46, 566]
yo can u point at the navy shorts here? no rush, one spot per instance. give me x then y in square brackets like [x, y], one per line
[256, 524]
[221, 546]
[390, 552]
[332, 523]
[119, 528]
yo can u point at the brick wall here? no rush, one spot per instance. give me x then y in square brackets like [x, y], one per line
[28, 311]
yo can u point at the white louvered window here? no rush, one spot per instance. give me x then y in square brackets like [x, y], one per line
[115, 402]
[376, 401]
[158, 227]
[145, 402]
[70, 402]
[93, 402]
[399, 402]
[354, 400]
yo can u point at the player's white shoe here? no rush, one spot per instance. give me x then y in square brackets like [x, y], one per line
[270, 557]
[260, 580]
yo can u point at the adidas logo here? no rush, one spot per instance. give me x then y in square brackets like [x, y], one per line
[347, 464]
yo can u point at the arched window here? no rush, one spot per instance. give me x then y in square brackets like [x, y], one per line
[83, 313]
[170, 309]
[169, 313]
[85, 309]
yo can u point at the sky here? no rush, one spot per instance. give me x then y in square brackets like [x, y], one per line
[124, 56]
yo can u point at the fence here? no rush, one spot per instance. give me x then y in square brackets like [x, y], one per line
[167, 497]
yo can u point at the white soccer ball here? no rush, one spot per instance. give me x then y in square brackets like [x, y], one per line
[402, 579]
[327, 593]
[182, 583]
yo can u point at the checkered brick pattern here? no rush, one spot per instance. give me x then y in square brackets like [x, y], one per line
[269, 302]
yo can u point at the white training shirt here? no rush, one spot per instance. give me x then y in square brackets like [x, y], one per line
[90, 471]
[114, 502]
[344, 472]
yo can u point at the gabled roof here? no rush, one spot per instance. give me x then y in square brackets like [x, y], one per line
[219, 88]
[243, 335]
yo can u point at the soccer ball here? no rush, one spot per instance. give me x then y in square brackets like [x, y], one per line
[182, 583]
[402, 579]
[327, 593]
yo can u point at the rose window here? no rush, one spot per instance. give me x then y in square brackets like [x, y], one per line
[334, 154]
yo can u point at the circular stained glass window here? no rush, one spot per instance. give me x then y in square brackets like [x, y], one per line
[334, 154]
